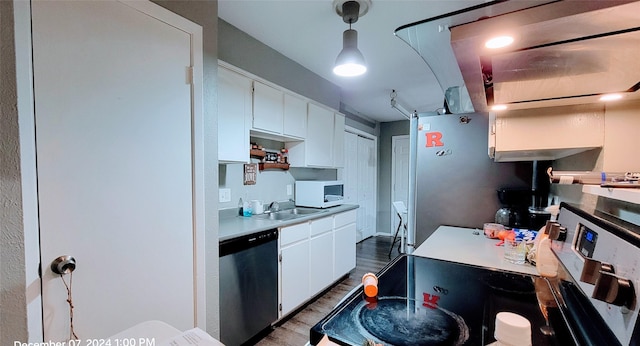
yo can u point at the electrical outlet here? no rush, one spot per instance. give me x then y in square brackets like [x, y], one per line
[224, 195]
[289, 190]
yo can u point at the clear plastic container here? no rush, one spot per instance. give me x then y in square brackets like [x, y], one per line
[515, 250]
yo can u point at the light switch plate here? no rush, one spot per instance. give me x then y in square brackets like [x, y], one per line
[224, 195]
[289, 190]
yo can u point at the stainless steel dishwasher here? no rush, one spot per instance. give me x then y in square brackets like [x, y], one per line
[248, 286]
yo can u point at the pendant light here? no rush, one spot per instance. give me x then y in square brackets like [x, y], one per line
[350, 61]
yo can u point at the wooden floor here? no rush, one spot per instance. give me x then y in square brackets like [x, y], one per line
[371, 255]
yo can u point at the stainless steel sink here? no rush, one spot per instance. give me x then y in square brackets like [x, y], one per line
[276, 216]
[299, 211]
[287, 214]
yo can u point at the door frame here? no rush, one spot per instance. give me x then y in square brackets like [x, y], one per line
[394, 139]
[26, 118]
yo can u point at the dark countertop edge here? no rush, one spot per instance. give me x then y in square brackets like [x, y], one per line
[250, 225]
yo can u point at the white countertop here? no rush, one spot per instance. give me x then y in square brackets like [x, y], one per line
[463, 245]
[236, 226]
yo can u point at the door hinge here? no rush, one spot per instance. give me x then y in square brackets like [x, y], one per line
[280, 307]
[189, 74]
[280, 258]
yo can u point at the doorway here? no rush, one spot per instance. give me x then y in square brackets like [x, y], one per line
[399, 175]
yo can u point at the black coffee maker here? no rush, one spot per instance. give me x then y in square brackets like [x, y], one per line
[515, 203]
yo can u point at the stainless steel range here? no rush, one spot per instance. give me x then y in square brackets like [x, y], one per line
[424, 301]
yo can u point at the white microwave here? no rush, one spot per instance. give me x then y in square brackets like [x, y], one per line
[319, 193]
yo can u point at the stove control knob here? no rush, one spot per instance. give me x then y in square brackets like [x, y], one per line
[554, 231]
[614, 290]
[592, 269]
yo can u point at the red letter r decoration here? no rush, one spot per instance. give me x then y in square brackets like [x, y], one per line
[434, 139]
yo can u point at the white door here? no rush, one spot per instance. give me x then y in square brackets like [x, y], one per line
[366, 187]
[115, 172]
[350, 172]
[399, 175]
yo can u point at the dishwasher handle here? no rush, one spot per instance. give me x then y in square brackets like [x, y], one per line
[245, 242]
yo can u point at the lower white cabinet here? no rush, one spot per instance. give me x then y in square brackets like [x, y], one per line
[320, 262]
[344, 239]
[313, 255]
[294, 266]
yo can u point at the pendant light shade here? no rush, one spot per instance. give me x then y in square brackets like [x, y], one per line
[350, 62]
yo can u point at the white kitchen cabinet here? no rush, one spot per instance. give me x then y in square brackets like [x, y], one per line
[320, 254]
[545, 134]
[323, 146]
[268, 108]
[319, 140]
[313, 255]
[294, 266]
[344, 243]
[320, 262]
[295, 117]
[338, 140]
[234, 116]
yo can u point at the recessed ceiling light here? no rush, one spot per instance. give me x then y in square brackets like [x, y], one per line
[498, 107]
[499, 42]
[610, 97]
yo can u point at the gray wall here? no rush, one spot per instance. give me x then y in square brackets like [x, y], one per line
[387, 131]
[13, 315]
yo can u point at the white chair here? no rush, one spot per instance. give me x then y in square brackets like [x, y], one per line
[401, 211]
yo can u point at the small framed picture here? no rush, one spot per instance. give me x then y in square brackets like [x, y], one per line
[250, 173]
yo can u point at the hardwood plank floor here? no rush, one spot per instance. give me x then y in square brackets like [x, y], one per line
[371, 256]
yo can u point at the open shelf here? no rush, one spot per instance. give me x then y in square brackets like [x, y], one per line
[273, 165]
[257, 153]
[631, 195]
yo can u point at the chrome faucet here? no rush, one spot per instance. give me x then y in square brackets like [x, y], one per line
[274, 206]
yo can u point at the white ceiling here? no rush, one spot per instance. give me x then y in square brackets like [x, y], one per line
[310, 33]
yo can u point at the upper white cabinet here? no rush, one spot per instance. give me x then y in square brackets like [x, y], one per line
[323, 146]
[295, 117]
[268, 108]
[545, 133]
[278, 115]
[249, 106]
[234, 116]
[320, 136]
